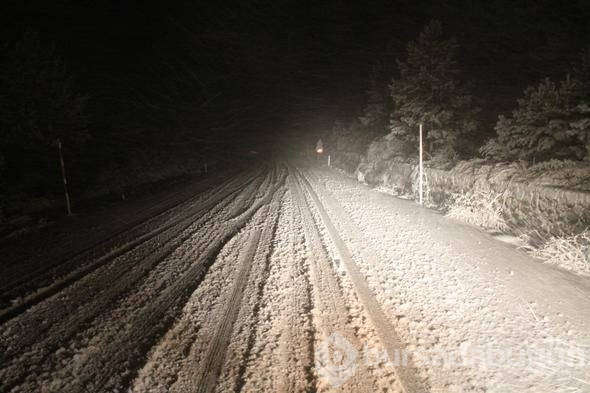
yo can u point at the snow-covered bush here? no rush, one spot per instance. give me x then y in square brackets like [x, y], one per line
[481, 208]
[570, 252]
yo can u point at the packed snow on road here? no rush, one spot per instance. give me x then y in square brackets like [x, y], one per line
[293, 279]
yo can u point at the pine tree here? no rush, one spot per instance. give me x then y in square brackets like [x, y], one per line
[551, 122]
[429, 91]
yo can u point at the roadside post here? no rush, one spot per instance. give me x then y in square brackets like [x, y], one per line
[421, 168]
[63, 176]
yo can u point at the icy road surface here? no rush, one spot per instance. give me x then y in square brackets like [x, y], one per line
[292, 279]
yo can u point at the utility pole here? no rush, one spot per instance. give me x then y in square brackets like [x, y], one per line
[63, 175]
[421, 169]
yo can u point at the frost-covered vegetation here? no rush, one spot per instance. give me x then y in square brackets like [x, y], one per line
[480, 208]
[569, 252]
[531, 176]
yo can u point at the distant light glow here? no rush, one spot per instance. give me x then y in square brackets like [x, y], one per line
[319, 147]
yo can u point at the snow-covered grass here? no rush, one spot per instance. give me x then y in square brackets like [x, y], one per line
[570, 252]
[481, 208]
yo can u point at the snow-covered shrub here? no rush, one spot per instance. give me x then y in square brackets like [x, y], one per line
[481, 208]
[570, 252]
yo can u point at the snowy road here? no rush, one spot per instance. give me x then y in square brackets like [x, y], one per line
[292, 280]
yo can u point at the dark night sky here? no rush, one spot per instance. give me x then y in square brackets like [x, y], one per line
[266, 65]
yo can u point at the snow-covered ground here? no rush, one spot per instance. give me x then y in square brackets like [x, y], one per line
[453, 290]
[296, 280]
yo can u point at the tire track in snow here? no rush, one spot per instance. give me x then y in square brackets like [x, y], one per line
[385, 330]
[179, 361]
[15, 281]
[176, 225]
[206, 378]
[331, 315]
[279, 354]
[253, 261]
[168, 359]
[297, 346]
[253, 338]
[161, 307]
[122, 347]
[84, 301]
[32, 338]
